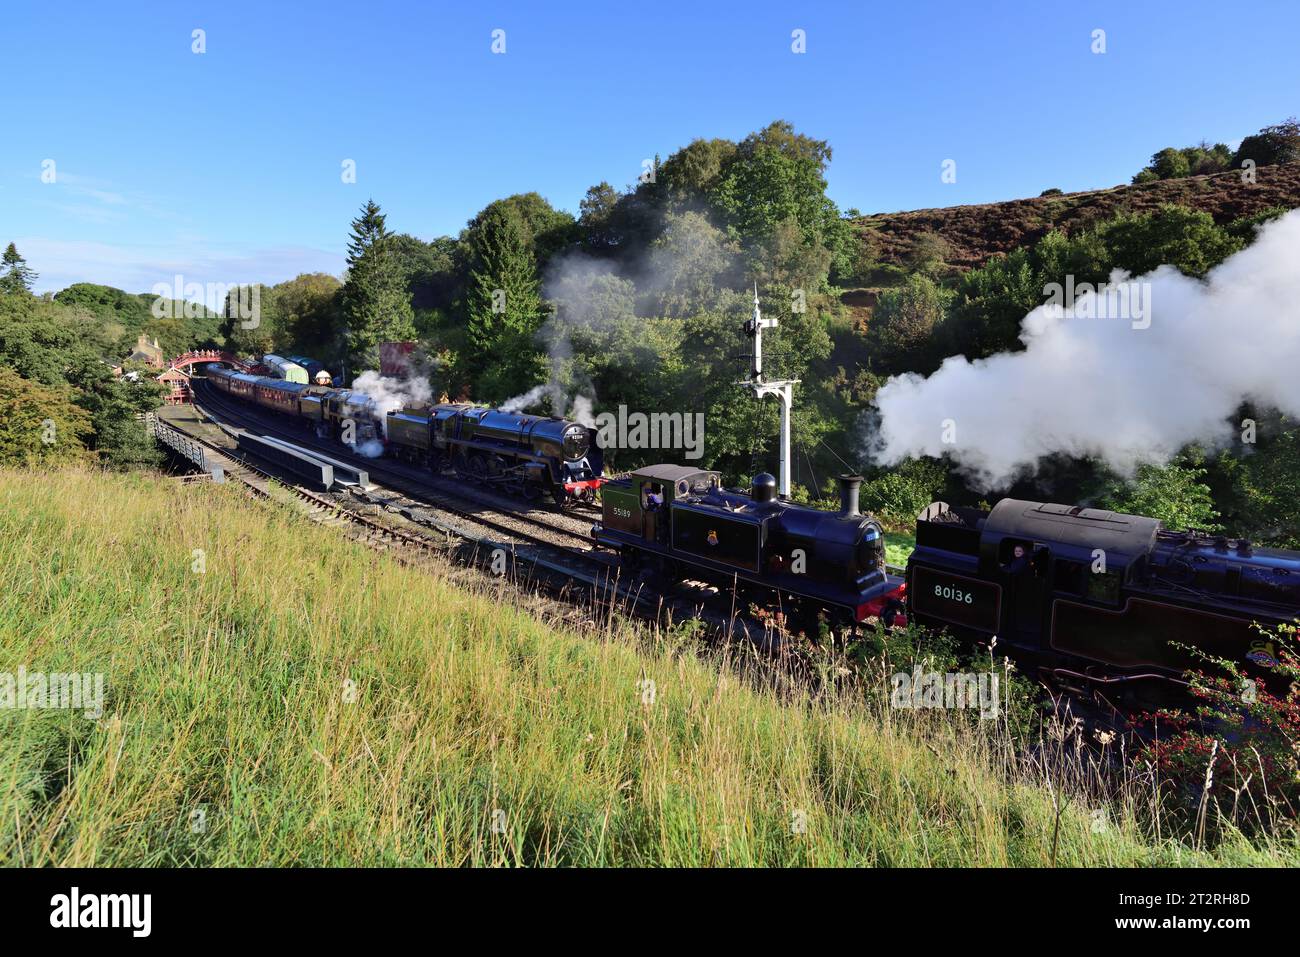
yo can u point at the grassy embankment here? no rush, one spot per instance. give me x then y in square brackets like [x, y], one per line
[475, 734]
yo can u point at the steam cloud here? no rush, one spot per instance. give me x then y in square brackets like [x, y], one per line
[593, 296]
[1106, 387]
[387, 394]
[568, 285]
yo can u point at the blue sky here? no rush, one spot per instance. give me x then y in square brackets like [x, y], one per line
[226, 166]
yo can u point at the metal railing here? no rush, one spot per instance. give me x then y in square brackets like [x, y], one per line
[183, 445]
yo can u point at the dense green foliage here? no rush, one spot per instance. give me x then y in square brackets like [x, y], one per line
[375, 300]
[1172, 163]
[54, 353]
[1272, 144]
[16, 276]
[1175, 494]
[39, 425]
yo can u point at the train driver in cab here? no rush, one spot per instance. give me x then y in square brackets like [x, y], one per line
[1022, 559]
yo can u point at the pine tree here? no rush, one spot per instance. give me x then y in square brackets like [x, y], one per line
[17, 276]
[375, 298]
[504, 309]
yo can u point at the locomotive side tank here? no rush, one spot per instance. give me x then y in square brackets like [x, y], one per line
[1100, 599]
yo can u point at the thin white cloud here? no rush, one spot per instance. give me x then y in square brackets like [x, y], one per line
[60, 263]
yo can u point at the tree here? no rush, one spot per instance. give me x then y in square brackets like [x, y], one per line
[504, 307]
[1173, 163]
[376, 303]
[776, 175]
[1272, 144]
[17, 276]
[691, 261]
[251, 323]
[63, 348]
[1174, 494]
[1170, 163]
[544, 229]
[928, 253]
[687, 176]
[597, 218]
[307, 312]
[901, 332]
[1181, 237]
[430, 270]
[40, 425]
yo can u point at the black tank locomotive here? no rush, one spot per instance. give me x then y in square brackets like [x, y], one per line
[1100, 601]
[680, 522]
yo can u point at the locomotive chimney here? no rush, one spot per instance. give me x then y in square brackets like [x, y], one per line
[849, 495]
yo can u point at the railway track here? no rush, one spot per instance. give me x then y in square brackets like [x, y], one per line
[549, 541]
[537, 561]
[409, 492]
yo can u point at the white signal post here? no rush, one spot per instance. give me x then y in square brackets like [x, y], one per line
[783, 389]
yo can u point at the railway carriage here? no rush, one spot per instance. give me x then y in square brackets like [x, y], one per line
[529, 455]
[278, 395]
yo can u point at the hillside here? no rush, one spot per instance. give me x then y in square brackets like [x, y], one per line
[978, 232]
[347, 709]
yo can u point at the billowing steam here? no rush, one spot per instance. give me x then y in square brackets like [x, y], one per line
[1129, 389]
[535, 395]
[568, 286]
[599, 299]
[387, 394]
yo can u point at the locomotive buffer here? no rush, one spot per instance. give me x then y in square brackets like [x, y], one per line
[783, 389]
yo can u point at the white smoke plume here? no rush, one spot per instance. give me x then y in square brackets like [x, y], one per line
[387, 394]
[583, 412]
[1108, 387]
[596, 297]
[534, 395]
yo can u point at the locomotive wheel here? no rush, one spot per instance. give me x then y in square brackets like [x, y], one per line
[805, 616]
[891, 611]
[532, 492]
[478, 467]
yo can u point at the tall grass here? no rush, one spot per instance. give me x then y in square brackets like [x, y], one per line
[283, 696]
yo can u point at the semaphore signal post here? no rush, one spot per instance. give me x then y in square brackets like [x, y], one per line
[783, 389]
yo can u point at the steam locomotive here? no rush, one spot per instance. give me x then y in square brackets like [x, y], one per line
[677, 522]
[529, 455]
[1100, 602]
